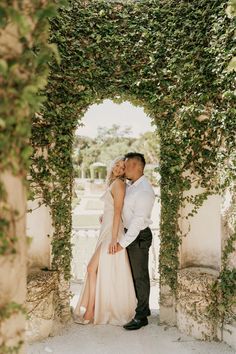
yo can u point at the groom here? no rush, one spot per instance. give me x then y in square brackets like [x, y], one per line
[138, 204]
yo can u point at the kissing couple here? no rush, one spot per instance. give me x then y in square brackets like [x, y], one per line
[117, 286]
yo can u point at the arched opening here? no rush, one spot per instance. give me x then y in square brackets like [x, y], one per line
[109, 130]
[138, 67]
[133, 48]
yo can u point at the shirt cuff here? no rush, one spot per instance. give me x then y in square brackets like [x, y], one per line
[123, 243]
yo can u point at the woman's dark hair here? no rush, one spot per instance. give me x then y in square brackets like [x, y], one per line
[136, 156]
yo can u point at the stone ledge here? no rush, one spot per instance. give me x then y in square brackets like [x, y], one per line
[41, 286]
[193, 298]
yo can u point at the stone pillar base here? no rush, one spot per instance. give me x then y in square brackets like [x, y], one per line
[40, 305]
[167, 306]
[48, 305]
[194, 296]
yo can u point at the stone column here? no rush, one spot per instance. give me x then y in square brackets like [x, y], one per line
[167, 306]
[228, 332]
[13, 266]
[200, 261]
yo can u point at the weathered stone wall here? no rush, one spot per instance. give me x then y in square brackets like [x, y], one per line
[40, 231]
[200, 258]
[41, 288]
[200, 262]
[13, 267]
[228, 222]
[201, 249]
[167, 306]
[202, 245]
[48, 294]
[47, 304]
[193, 299]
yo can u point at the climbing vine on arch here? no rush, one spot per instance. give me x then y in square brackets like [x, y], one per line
[169, 57]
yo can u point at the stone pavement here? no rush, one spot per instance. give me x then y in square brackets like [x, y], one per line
[107, 339]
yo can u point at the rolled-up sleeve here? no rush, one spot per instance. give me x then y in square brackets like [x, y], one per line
[142, 211]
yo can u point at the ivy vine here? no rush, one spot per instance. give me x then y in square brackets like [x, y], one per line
[170, 57]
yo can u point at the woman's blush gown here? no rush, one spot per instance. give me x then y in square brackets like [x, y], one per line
[115, 299]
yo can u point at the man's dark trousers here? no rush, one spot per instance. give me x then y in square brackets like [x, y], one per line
[138, 252]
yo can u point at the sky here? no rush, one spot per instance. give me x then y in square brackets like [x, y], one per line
[108, 113]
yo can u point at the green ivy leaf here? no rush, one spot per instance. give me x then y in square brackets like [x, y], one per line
[3, 17]
[53, 48]
[3, 66]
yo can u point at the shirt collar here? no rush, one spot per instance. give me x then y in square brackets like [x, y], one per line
[136, 183]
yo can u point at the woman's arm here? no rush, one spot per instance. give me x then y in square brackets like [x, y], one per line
[118, 193]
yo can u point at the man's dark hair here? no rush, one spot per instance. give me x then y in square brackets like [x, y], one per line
[136, 156]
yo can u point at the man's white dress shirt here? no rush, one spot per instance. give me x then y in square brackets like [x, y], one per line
[137, 208]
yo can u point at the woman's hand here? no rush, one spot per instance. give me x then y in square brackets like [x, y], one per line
[112, 249]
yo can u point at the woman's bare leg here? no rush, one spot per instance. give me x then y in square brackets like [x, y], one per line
[92, 278]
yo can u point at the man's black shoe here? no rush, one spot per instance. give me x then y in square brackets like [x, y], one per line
[136, 324]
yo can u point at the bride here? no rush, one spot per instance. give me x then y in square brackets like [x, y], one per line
[108, 294]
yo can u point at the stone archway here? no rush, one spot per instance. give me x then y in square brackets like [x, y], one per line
[120, 50]
[110, 143]
[38, 327]
[97, 63]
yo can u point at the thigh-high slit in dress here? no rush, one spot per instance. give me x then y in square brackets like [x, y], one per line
[115, 299]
